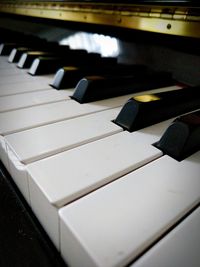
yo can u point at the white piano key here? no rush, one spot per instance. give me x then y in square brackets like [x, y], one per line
[13, 102]
[179, 248]
[6, 65]
[61, 136]
[7, 71]
[19, 120]
[62, 178]
[3, 58]
[25, 87]
[110, 158]
[4, 61]
[15, 78]
[24, 78]
[50, 113]
[113, 225]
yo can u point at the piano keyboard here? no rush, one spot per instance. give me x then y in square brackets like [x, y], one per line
[105, 196]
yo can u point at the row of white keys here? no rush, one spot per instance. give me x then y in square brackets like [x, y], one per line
[15, 96]
[19, 120]
[9, 73]
[64, 177]
[10, 70]
[21, 76]
[25, 87]
[29, 99]
[4, 61]
[27, 118]
[15, 81]
[41, 142]
[179, 248]
[24, 77]
[56, 215]
[51, 146]
[27, 94]
[37, 143]
[115, 224]
[32, 117]
[28, 146]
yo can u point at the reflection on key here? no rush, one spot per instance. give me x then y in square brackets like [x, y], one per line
[95, 88]
[144, 110]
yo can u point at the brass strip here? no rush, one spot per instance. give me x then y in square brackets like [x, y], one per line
[171, 20]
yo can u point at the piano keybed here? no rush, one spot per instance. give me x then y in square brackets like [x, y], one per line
[105, 196]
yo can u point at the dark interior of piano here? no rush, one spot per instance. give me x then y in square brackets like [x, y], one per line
[114, 40]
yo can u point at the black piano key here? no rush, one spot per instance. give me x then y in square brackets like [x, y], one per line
[44, 49]
[68, 77]
[16, 54]
[142, 111]
[6, 48]
[47, 65]
[182, 137]
[95, 88]
[24, 41]
[96, 59]
[90, 58]
[27, 58]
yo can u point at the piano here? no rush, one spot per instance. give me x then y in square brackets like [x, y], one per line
[99, 149]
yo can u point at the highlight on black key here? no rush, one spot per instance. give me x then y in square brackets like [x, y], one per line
[95, 88]
[145, 110]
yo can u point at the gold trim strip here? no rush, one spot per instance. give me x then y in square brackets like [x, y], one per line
[170, 20]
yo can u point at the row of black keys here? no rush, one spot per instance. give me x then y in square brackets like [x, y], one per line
[108, 79]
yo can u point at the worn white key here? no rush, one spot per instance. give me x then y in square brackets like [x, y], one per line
[40, 142]
[62, 178]
[13, 102]
[179, 248]
[19, 120]
[113, 225]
